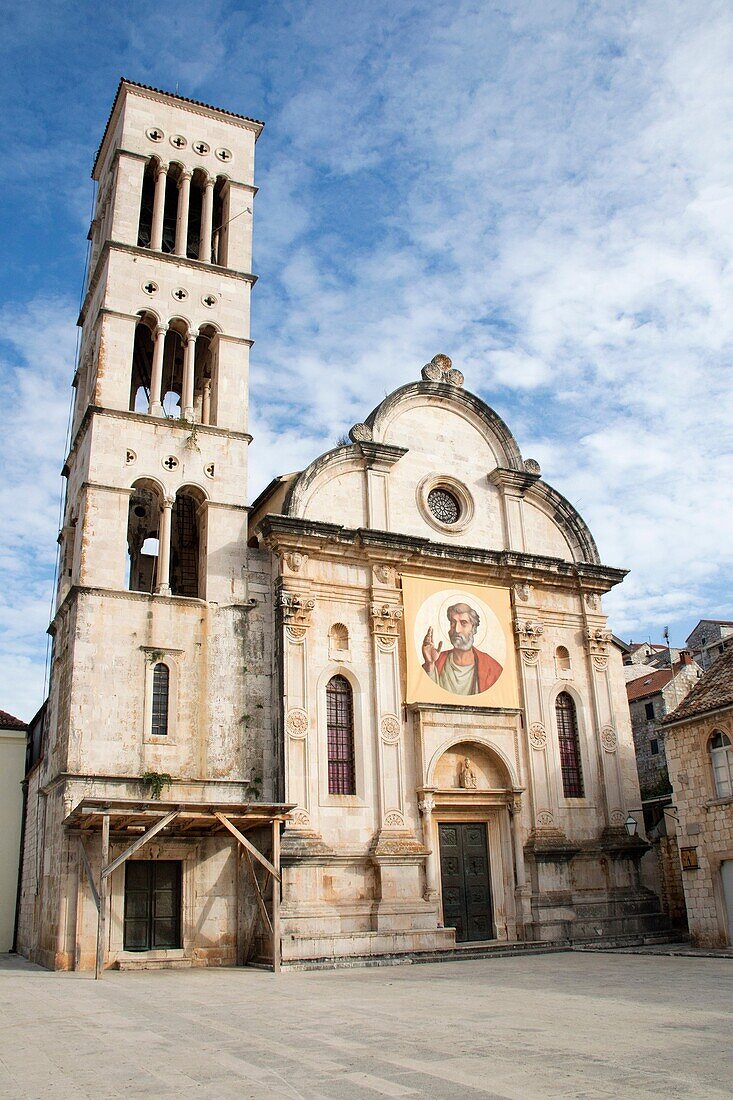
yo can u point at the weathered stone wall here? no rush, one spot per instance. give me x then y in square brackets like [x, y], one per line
[705, 824]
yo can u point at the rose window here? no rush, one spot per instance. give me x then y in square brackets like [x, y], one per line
[444, 506]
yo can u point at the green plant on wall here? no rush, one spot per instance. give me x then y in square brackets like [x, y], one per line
[154, 782]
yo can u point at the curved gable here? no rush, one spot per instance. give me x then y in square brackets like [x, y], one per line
[434, 432]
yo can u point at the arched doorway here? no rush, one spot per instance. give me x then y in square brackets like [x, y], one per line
[473, 828]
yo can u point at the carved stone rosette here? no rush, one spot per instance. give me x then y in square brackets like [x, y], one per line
[390, 728]
[296, 722]
[296, 609]
[537, 736]
[609, 739]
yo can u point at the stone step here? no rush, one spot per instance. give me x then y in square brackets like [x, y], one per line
[154, 964]
[464, 952]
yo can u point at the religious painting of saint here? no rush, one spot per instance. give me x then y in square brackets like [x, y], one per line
[459, 644]
[464, 669]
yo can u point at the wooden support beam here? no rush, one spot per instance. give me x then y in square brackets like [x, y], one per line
[276, 932]
[248, 845]
[136, 844]
[102, 914]
[90, 877]
[258, 893]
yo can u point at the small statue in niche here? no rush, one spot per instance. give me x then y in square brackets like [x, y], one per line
[468, 775]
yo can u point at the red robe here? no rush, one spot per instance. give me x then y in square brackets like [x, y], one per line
[488, 670]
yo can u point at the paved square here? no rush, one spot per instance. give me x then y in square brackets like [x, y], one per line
[562, 1025]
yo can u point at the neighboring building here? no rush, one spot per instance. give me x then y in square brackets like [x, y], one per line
[708, 639]
[399, 652]
[652, 693]
[699, 737]
[12, 761]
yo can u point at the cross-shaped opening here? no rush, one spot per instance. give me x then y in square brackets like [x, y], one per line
[150, 288]
[170, 462]
[178, 141]
[180, 294]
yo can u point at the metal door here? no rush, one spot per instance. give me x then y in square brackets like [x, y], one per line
[464, 873]
[726, 874]
[152, 904]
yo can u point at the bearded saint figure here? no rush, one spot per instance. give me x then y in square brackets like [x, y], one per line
[463, 670]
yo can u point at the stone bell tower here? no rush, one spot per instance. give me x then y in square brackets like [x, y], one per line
[154, 605]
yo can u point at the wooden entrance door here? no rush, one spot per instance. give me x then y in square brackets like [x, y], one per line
[464, 874]
[152, 904]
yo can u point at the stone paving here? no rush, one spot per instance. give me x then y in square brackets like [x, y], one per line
[580, 1025]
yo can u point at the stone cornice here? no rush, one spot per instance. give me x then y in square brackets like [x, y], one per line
[287, 532]
[162, 257]
[145, 418]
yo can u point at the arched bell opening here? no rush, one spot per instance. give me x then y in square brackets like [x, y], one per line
[205, 374]
[147, 203]
[143, 536]
[170, 208]
[173, 358]
[188, 551]
[142, 362]
[195, 210]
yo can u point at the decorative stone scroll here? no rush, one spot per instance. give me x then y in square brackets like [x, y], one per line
[296, 722]
[296, 609]
[386, 619]
[295, 560]
[361, 433]
[538, 736]
[384, 574]
[390, 728]
[529, 632]
[609, 740]
[441, 369]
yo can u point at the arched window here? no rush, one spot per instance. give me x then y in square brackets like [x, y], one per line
[721, 757]
[340, 725]
[562, 659]
[161, 681]
[567, 734]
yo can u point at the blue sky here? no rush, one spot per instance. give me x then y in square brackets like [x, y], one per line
[540, 190]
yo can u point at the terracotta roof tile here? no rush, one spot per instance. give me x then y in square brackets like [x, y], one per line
[9, 721]
[648, 685]
[711, 692]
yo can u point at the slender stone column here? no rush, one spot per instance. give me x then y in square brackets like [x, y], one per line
[189, 362]
[207, 214]
[156, 231]
[184, 195]
[155, 408]
[206, 402]
[163, 587]
[426, 805]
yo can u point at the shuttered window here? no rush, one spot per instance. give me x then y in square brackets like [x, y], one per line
[567, 733]
[161, 679]
[340, 722]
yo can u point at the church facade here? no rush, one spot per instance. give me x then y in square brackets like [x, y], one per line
[377, 711]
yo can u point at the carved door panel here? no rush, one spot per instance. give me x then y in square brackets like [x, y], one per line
[152, 904]
[464, 873]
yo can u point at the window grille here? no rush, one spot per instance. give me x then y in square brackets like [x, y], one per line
[721, 757]
[161, 679]
[340, 724]
[567, 733]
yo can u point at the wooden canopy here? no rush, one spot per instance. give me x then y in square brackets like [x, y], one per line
[139, 820]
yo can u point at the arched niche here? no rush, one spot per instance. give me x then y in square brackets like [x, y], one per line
[490, 771]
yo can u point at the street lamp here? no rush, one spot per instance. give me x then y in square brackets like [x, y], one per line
[631, 824]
